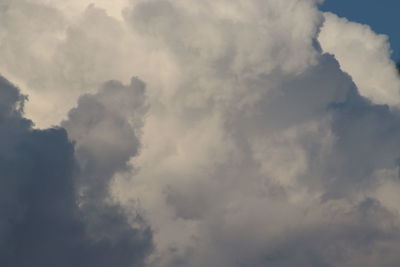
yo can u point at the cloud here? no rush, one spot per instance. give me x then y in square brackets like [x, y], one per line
[102, 127]
[261, 138]
[356, 46]
[51, 55]
[41, 221]
[265, 153]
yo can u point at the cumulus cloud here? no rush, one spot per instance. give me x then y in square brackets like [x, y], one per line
[55, 58]
[356, 46]
[42, 223]
[267, 133]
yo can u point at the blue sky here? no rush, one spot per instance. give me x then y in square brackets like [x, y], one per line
[382, 16]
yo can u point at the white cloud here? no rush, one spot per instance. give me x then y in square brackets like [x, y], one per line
[363, 54]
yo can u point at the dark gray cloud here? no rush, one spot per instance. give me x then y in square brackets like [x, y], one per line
[105, 128]
[41, 221]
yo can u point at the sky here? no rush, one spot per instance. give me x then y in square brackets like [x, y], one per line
[167, 133]
[381, 16]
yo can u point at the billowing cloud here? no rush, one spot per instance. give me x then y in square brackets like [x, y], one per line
[267, 135]
[355, 46]
[42, 223]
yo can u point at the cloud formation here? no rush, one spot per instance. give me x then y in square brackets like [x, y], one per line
[42, 223]
[355, 47]
[260, 133]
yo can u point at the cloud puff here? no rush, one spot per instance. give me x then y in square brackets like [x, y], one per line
[41, 221]
[52, 55]
[356, 46]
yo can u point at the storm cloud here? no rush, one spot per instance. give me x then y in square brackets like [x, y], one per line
[253, 133]
[42, 223]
